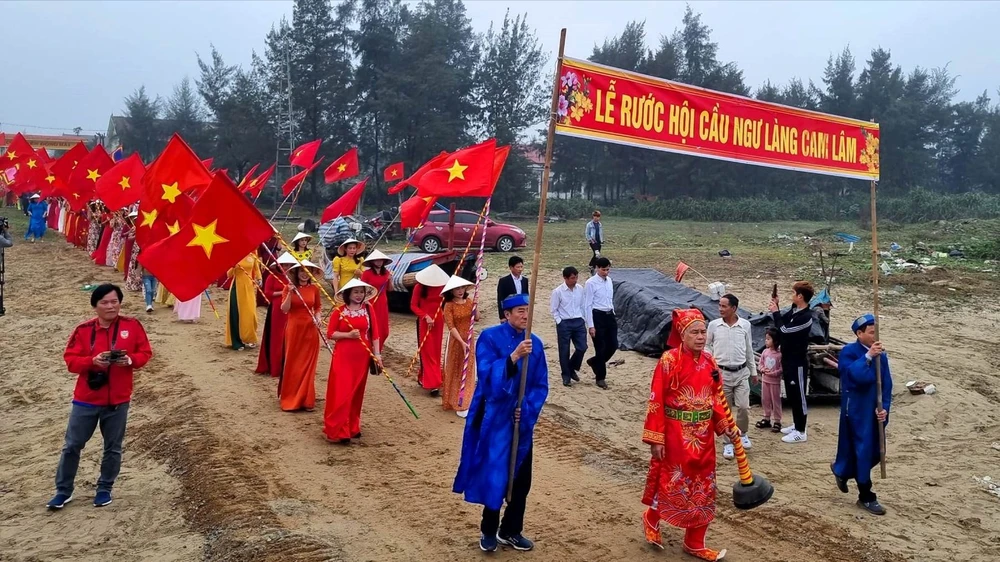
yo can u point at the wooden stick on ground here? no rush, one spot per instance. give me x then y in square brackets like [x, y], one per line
[542, 197]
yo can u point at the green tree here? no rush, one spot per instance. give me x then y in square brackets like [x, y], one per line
[321, 74]
[183, 114]
[142, 132]
[511, 98]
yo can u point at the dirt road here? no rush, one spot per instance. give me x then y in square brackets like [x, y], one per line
[213, 470]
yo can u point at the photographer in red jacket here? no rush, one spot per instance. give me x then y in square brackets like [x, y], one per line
[102, 352]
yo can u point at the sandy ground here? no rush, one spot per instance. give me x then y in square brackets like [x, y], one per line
[214, 471]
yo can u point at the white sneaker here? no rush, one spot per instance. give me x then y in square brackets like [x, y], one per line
[149, 308]
[727, 451]
[462, 414]
[746, 442]
[787, 429]
[794, 437]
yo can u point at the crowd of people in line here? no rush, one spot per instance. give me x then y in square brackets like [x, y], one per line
[480, 376]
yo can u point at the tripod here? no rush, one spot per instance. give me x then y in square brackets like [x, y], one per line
[2, 310]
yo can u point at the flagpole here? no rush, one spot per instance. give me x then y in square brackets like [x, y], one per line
[875, 306]
[536, 258]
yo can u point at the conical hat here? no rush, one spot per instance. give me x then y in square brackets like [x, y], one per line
[35, 196]
[376, 256]
[369, 290]
[432, 276]
[300, 236]
[305, 263]
[455, 282]
[342, 252]
[287, 259]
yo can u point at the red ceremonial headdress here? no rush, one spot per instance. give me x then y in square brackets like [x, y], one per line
[681, 321]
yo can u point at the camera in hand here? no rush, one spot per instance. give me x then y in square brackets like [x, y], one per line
[116, 355]
[3, 223]
[97, 379]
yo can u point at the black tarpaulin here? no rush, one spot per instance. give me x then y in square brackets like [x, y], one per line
[646, 298]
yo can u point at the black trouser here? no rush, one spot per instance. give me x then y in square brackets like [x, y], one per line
[865, 493]
[594, 247]
[513, 515]
[605, 342]
[571, 330]
[795, 393]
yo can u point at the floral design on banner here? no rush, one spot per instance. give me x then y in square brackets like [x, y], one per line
[869, 155]
[574, 97]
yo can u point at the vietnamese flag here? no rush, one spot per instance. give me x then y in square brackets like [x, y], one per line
[175, 171]
[153, 225]
[83, 181]
[345, 204]
[224, 227]
[256, 185]
[122, 185]
[64, 165]
[414, 210]
[430, 165]
[43, 155]
[18, 150]
[207, 163]
[305, 155]
[464, 173]
[682, 268]
[394, 172]
[297, 179]
[247, 176]
[343, 168]
[52, 185]
[3, 138]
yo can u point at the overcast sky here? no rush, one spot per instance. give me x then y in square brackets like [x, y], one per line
[70, 63]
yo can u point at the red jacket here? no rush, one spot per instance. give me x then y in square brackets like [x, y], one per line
[89, 340]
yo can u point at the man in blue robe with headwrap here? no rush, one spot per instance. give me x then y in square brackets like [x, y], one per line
[489, 428]
[37, 211]
[858, 443]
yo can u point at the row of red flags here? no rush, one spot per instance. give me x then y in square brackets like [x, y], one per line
[194, 224]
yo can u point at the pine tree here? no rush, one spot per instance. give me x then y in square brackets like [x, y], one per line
[184, 115]
[511, 98]
[142, 132]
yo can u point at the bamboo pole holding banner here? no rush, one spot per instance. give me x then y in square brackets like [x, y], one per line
[536, 258]
[878, 360]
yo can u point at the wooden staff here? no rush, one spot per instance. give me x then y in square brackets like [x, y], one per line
[878, 360]
[542, 197]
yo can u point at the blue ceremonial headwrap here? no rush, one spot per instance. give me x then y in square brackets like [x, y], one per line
[862, 321]
[515, 301]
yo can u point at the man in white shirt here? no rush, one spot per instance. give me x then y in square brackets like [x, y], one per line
[730, 343]
[567, 310]
[599, 312]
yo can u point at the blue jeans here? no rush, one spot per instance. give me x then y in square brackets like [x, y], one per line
[148, 288]
[83, 420]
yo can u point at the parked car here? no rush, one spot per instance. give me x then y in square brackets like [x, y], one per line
[433, 236]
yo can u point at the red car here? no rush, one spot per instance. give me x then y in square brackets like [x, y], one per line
[433, 236]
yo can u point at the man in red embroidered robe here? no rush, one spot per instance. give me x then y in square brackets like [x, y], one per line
[684, 415]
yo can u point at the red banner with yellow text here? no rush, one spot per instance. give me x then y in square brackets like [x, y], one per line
[613, 105]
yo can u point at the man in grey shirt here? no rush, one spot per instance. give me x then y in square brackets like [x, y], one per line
[730, 343]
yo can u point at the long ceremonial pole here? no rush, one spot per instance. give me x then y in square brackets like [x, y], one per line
[542, 197]
[878, 360]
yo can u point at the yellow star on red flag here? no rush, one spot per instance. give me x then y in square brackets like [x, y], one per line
[148, 218]
[206, 237]
[170, 192]
[124, 183]
[92, 175]
[32, 163]
[457, 170]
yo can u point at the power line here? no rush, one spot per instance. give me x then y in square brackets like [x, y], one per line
[82, 130]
